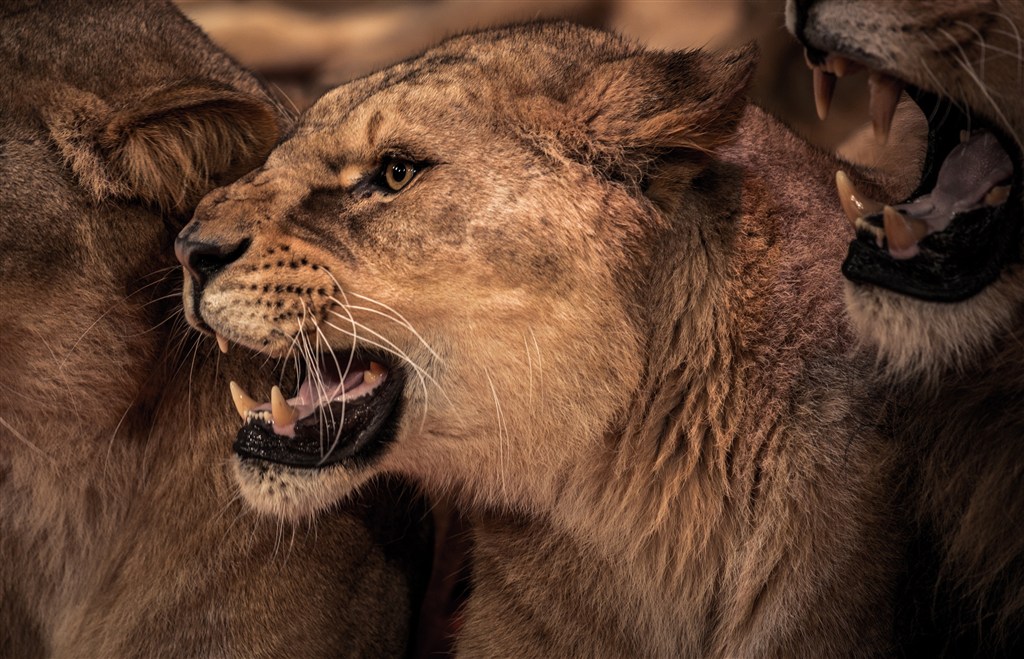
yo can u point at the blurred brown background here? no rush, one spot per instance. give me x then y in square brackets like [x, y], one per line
[305, 48]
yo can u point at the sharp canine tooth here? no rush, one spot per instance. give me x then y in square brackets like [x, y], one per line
[824, 88]
[997, 195]
[222, 343]
[854, 203]
[241, 400]
[840, 65]
[374, 373]
[283, 412]
[902, 232]
[885, 94]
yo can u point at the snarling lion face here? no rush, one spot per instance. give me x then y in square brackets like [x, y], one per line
[447, 251]
[957, 239]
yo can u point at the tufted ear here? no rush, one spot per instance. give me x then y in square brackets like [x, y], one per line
[642, 107]
[166, 147]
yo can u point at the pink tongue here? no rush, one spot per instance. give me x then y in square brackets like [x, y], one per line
[315, 394]
[320, 392]
[968, 173]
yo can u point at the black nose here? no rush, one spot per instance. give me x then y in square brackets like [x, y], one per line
[204, 259]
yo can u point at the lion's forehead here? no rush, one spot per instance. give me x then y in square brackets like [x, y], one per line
[473, 76]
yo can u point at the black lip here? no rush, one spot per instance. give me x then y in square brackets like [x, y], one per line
[368, 425]
[961, 261]
[952, 266]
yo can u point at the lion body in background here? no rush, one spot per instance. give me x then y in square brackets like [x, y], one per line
[120, 530]
[952, 374]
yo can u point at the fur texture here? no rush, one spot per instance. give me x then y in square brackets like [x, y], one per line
[952, 374]
[622, 327]
[120, 530]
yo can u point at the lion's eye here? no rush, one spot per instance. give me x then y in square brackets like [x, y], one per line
[398, 173]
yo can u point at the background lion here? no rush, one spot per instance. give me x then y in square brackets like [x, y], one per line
[120, 533]
[937, 292]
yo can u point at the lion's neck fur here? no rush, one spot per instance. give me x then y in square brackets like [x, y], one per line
[746, 319]
[745, 333]
[742, 311]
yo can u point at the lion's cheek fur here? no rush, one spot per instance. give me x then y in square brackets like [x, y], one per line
[509, 422]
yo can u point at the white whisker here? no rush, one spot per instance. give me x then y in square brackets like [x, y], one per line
[422, 375]
[502, 431]
[981, 86]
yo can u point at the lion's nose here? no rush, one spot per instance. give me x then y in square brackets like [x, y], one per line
[203, 259]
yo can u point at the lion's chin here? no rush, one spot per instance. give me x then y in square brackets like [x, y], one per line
[921, 340]
[291, 493]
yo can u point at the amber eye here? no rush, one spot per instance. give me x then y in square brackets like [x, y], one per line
[398, 173]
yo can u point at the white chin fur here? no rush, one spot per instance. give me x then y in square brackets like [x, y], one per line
[292, 494]
[915, 339]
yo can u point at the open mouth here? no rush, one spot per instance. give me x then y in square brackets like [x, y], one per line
[346, 409]
[954, 235]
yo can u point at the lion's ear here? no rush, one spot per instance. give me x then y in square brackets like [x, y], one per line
[167, 147]
[643, 106]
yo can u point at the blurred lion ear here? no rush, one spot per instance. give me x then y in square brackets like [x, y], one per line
[646, 105]
[167, 147]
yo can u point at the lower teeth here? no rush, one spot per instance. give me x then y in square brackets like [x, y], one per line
[263, 415]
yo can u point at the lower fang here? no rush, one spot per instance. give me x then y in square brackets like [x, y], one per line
[997, 196]
[243, 403]
[283, 413]
[902, 233]
[854, 204]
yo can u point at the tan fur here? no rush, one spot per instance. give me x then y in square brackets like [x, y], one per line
[120, 530]
[951, 373]
[623, 337]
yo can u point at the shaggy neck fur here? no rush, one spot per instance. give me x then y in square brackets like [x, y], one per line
[699, 499]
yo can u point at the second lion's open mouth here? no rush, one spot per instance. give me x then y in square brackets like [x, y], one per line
[346, 407]
[962, 225]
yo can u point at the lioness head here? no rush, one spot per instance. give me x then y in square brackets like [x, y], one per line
[107, 141]
[454, 254]
[936, 277]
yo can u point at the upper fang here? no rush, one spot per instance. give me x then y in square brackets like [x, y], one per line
[243, 403]
[884, 95]
[824, 88]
